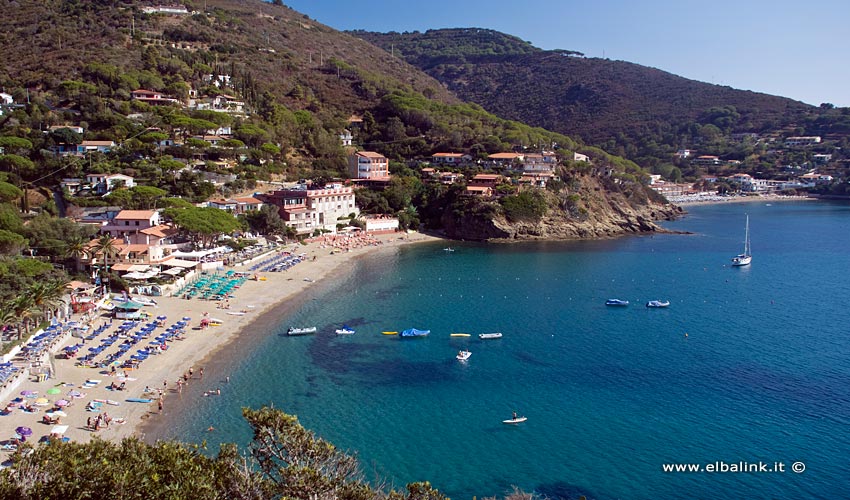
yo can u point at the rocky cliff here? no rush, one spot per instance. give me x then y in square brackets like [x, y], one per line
[592, 208]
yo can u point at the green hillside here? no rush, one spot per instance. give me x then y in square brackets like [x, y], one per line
[642, 113]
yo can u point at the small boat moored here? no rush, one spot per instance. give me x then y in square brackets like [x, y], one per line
[292, 331]
[345, 330]
[658, 303]
[463, 355]
[413, 332]
[494, 335]
[616, 302]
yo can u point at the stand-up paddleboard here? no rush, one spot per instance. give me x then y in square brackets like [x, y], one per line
[461, 335]
[390, 333]
[517, 420]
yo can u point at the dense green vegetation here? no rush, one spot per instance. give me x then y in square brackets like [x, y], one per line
[284, 460]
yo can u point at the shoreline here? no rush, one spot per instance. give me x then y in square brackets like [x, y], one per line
[251, 307]
[220, 360]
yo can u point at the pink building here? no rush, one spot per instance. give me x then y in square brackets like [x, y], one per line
[368, 165]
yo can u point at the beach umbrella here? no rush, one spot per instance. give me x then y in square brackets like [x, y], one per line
[74, 393]
[187, 318]
[23, 431]
[53, 390]
[41, 401]
[61, 403]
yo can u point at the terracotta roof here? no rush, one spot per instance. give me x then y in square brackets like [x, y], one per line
[478, 188]
[503, 156]
[371, 154]
[134, 214]
[136, 247]
[97, 143]
[250, 200]
[487, 177]
[161, 230]
[448, 155]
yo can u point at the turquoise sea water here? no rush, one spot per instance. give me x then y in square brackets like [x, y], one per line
[610, 394]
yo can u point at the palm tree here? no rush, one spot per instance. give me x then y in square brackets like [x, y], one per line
[47, 295]
[23, 306]
[76, 248]
[7, 315]
[106, 246]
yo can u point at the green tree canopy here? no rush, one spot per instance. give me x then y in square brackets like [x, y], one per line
[8, 192]
[15, 144]
[206, 224]
[11, 243]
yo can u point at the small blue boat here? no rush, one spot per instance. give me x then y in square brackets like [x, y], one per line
[616, 302]
[413, 332]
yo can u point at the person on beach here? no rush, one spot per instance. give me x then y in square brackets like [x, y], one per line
[201, 373]
[159, 404]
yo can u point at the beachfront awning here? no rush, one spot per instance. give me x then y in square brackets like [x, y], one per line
[179, 263]
[129, 305]
[140, 276]
[174, 271]
[133, 268]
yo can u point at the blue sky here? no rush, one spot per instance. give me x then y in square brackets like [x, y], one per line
[797, 49]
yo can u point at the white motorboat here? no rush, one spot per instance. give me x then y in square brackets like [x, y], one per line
[658, 303]
[463, 355]
[345, 330]
[494, 335]
[300, 331]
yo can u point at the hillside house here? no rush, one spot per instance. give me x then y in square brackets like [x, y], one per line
[802, 141]
[816, 178]
[537, 179]
[505, 159]
[581, 157]
[483, 185]
[105, 183]
[480, 191]
[539, 162]
[152, 97]
[73, 128]
[707, 161]
[237, 206]
[127, 222]
[368, 165]
[6, 99]
[345, 137]
[166, 9]
[450, 158]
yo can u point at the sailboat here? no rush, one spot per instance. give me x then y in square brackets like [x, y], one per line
[745, 258]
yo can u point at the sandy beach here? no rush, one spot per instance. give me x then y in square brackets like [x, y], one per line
[88, 390]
